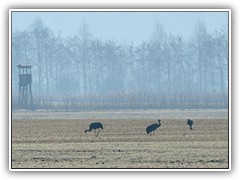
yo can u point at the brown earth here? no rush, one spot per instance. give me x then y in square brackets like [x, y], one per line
[122, 144]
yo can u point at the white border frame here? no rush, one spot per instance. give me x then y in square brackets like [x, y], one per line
[120, 10]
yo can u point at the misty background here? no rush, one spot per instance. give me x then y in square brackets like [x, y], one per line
[99, 60]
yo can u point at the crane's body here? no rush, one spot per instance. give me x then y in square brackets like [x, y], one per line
[190, 123]
[94, 126]
[153, 127]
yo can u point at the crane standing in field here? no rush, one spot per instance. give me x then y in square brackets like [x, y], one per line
[190, 123]
[153, 127]
[95, 126]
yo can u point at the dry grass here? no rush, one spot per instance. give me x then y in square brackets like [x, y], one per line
[123, 144]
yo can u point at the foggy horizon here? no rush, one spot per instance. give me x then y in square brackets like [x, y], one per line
[123, 27]
[143, 60]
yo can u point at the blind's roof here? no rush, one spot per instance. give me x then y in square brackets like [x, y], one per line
[24, 66]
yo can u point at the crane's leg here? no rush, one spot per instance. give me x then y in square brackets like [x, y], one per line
[98, 132]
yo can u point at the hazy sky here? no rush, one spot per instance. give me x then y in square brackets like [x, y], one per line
[121, 26]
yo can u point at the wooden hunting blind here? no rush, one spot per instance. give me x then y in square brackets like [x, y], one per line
[25, 98]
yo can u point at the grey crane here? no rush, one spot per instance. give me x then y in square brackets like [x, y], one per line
[190, 123]
[153, 127]
[95, 126]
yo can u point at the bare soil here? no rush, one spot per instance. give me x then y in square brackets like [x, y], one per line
[61, 143]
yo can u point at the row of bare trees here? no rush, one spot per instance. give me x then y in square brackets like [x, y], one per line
[166, 71]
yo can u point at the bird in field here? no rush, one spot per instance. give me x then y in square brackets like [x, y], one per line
[94, 126]
[153, 127]
[190, 123]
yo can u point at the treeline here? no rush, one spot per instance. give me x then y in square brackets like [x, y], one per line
[136, 100]
[82, 72]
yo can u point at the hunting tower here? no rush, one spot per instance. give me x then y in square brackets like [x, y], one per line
[25, 98]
